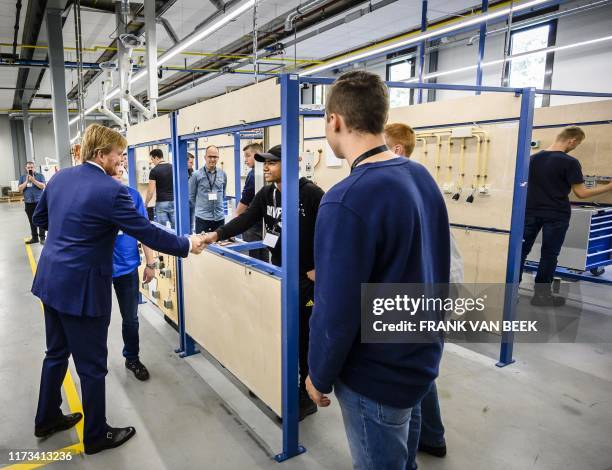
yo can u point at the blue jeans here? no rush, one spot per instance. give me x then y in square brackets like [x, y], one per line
[164, 212]
[553, 235]
[126, 289]
[426, 422]
[377, 434]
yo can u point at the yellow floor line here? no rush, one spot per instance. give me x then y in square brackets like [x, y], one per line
[74, 402]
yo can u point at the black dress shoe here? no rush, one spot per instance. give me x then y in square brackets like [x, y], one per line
[65, 422]
[114, 437]
[31, 241]
[307, 406]
[436, 451]
[138, 368]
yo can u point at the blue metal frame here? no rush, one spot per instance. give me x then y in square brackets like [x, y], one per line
[481, 45]
[237, 166]
[187, 345]
[231, 129]
[422, 46]
[131, 155]
[290, 105]
[571, 274]
[517, 221]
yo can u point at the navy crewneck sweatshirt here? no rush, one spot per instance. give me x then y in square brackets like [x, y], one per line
[385, 223]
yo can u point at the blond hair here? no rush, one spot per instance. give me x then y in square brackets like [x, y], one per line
[99, 138]
[571, 132]
[402, 134]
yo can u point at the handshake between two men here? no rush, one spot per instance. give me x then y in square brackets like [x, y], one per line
[200, 241]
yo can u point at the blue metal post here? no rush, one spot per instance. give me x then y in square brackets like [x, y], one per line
[196, 160]
[131, 155]
[481, 45]
[237, 166]
[517, 221]
[422, 46]
[290, 249]
[181, 215]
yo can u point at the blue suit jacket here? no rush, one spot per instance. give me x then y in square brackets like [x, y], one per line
[83, 209]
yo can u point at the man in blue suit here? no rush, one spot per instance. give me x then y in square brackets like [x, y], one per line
[83, 208]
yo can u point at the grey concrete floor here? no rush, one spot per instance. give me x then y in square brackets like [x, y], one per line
[552, 409]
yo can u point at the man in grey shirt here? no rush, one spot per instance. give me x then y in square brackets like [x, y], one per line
[207, 193]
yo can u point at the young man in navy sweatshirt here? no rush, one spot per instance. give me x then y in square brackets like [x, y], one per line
[385, 223]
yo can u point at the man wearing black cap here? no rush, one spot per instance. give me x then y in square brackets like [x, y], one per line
[267, 205]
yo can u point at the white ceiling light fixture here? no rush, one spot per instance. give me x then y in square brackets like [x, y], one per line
[422, 37]
[180, 47]
[545, 50]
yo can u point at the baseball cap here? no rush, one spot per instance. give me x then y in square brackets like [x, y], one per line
[272, 155]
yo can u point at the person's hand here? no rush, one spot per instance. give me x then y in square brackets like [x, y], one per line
[211, 237]
[148, 275]
[315, 395]
[30, 178]
[311, 275]
[197, 244]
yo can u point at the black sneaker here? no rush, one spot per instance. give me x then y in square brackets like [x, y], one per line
[42, 240]
[547, 300]
[307, 406]
[138, 368]
[31, 241]
[65, 422]
[436, 451]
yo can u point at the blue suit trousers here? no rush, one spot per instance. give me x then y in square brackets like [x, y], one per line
[84, 338]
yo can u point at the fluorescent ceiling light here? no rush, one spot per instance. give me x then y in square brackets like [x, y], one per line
[521, 55]
[178, 48]
[422, 37]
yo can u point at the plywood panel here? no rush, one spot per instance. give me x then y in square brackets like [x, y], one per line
[325, 176]
[485, 255]
[147, 131]
[235, 313]
[493, 209]
[253, 103]
[573, 113]
[483, 107]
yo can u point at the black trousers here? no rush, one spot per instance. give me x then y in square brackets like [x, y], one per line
[205, 226]
[253, 235]
[553, 236]
[306, 303]
[30, 207]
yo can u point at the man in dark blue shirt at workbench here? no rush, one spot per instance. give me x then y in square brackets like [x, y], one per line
[385, 223]
[553, 174]
[32, 185]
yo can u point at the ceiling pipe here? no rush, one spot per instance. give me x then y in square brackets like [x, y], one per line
[202, 32]
[16, 35]
[300, 11]
[151, 43]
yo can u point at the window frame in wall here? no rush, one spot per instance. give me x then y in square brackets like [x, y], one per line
[402, 57]
[549, 61]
